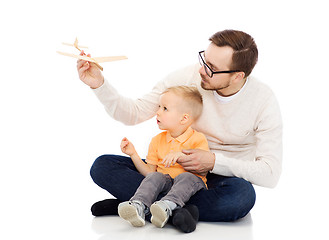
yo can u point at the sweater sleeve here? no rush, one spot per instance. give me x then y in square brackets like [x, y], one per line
[126, 110]
[134, 111]
[265, 169]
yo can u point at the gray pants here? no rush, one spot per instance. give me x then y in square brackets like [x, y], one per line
[177, 190]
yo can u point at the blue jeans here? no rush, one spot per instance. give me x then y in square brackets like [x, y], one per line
[226, 199]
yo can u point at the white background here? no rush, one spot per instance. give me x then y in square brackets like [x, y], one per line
[52, 127]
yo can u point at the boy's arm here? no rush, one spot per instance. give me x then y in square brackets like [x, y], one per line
[128, 148]
[142, 167]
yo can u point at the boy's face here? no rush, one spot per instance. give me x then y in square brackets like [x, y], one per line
[169, 115]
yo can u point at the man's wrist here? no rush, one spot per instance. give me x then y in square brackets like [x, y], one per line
[99, 84]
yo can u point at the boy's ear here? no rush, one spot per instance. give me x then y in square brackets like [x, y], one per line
[185, 118]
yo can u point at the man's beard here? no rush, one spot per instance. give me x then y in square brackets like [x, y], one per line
[204, 84]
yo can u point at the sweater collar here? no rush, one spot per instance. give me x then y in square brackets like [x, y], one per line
[222, 99]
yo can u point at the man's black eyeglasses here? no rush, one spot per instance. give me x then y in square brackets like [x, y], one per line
[208, 70]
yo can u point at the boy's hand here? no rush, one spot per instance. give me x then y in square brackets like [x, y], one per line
[197, 161]
[127, 147]
[171, 158]
[89, 73]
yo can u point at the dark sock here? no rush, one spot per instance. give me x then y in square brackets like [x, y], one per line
[186, 218]
[194, 211]
[105, 207]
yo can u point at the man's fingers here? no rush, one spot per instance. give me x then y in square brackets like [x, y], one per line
[188, 151]
[183, 158]
[82, 62]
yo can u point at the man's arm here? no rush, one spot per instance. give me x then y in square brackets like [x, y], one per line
[265, 169]
[126, 110]
[134, 111]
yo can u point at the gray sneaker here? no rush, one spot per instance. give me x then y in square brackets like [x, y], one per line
[160, 213]
[132, 212]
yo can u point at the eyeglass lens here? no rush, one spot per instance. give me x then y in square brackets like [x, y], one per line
[202, 63]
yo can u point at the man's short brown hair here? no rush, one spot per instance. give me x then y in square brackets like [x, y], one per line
[245, 53]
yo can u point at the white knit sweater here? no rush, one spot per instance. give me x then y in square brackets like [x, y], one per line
[245, 133]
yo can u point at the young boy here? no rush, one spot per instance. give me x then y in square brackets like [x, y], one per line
[179, 108]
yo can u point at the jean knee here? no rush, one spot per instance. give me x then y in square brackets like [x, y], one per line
[246, 195]
[235, 198]
[96, 166]
[248, 191]
[101, 164]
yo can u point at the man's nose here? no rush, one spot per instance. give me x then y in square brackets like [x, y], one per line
[202, 71]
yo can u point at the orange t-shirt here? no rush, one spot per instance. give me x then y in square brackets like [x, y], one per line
[164, 143]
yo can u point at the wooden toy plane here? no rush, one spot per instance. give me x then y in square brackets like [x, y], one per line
[95, 60]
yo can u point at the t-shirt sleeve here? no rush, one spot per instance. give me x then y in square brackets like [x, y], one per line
[152, 155]
[201, 142]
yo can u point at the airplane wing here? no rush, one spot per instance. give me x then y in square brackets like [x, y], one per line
[109, 59]
[77, 56]
[95, 59]
[72, 45]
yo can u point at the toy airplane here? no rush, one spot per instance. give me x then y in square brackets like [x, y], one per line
[95, 60]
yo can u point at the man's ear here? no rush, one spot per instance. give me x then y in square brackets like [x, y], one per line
[239, 76]
[185, 118]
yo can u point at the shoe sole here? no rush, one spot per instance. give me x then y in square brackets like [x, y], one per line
[129, 213]
[159, 216]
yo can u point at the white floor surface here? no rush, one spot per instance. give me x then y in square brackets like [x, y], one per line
[61, 211]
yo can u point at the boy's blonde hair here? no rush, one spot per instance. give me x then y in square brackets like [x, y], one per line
[192, 100]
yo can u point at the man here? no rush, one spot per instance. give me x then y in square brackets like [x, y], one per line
[241, 120]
